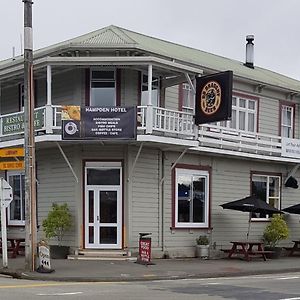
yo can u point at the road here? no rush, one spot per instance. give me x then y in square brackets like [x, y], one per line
[275, 287]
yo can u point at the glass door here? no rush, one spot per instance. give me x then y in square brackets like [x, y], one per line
[103, 207]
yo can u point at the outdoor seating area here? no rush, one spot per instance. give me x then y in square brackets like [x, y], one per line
[247, 249]
[295, 248]
[15, 247]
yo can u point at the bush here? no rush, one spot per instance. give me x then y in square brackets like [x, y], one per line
[58, 221]
[202, 240]
[277, 230]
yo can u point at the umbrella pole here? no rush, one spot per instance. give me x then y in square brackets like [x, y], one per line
[249, 223]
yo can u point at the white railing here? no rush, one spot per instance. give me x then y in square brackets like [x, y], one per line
[157, 121]
[231, 139]
[167, 121]
[46, 118]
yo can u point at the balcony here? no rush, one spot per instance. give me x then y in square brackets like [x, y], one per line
[161, 126]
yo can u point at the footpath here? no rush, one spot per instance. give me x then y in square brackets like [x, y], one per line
[97, 270]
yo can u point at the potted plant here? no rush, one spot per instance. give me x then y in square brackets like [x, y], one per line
[202, 247]
[276, 231]
[58, 221]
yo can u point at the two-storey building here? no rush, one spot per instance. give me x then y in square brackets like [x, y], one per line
[171, 179]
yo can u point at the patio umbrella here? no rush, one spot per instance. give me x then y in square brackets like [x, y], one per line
[294, 209]
[251, 204]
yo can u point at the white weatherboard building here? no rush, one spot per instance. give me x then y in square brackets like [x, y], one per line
[172, 177]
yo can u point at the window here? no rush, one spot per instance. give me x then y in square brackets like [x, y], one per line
[155, 90]
[244, 115]
[103, 91]
[287, 121]
[266, 188]
[191, 198]
[16, 210]
[188, 98]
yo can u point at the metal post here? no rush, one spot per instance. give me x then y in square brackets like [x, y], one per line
[30, 179]
[3, 227]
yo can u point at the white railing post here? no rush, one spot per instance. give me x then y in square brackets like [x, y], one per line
[149, 118]
[48, 109]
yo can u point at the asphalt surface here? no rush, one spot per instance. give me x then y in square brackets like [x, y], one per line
[114, 270]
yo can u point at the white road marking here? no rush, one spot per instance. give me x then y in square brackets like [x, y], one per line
[297, 298]
[287, 278]
[60, 294]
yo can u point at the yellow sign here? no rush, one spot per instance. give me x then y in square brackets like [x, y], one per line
[12, 165]
[11, 152]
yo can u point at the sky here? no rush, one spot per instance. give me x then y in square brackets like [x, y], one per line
[218, 26]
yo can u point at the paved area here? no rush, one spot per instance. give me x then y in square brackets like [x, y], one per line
[91, 270]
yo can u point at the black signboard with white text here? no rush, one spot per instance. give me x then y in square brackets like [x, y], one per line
[98, 123]
[214, 98]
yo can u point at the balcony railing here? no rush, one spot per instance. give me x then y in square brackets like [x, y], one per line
[156, 121]
[166, 121]
[231, 139]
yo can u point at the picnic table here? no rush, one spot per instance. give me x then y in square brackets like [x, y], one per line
[14, 246]
[293, 249]
[247, 249]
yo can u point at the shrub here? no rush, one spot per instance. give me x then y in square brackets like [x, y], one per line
[202, 240]
[58, 221]
[277, 230]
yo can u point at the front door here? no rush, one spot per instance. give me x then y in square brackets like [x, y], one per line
[103, 205]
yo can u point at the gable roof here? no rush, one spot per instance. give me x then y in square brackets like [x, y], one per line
[116, 37]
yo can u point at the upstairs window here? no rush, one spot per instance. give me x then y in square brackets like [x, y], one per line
[266, 188]
[103, 88]
[188, 98]
[16, 209]
[155, 90]
[244, 115]
[287, 121]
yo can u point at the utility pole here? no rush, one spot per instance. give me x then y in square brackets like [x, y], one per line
[29, 142]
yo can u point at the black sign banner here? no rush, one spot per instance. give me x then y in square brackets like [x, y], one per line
[214, 98]
[98, 123]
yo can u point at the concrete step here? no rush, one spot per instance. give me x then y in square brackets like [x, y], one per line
[90, 254]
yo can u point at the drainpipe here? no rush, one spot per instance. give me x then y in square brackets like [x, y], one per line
[149, 118]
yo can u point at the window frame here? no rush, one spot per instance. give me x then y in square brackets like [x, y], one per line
[14, 222]
[292, 125]
[196, 171]
[91, 70]
[267, 176]
[237, 109]
[185, 89]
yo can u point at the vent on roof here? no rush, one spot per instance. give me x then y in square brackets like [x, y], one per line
[250, 51]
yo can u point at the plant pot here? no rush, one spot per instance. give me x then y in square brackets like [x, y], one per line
[276, 252]
[59, 252]
[202, 251]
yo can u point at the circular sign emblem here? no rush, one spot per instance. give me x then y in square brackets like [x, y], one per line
[210, 97]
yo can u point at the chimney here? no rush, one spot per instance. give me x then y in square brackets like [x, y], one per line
[250, 51]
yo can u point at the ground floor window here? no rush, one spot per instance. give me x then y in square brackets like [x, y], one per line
[267, 188]
[16, 210]
[191, 197]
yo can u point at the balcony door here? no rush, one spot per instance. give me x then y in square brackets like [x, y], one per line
[103, 205]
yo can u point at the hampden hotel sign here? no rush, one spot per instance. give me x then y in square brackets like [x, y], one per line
[213, 98]
[98, 122]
